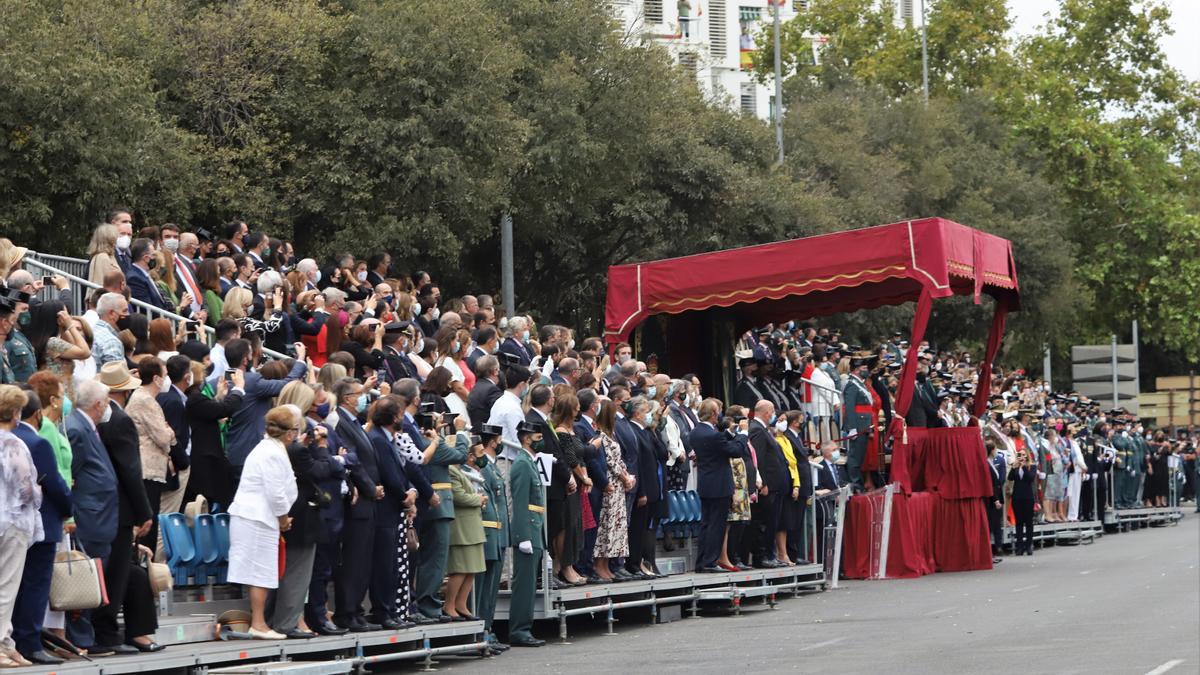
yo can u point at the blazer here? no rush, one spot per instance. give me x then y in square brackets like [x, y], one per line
[494, 514]
[1022, 482]
[626, 437]
[248, 425]
[56, 496]
[527, 491]
[825, 479]
[95, 482]
[512, 346]
[120, 437]
[803, 466]
[391, 475]
[772, 465]
[714, 449]
[856, 402]
[438, 473]
[307, 527]
[331, 481]
[354, 438]
[174, 411]
[267, 489]
[467, 528]
[396, 366]
[141, 287]
[479, 403]
[596, 464]
[997, 473]
[560, 473]
[652, 456]
[155, 437]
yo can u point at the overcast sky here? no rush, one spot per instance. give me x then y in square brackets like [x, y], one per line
[1182, 48]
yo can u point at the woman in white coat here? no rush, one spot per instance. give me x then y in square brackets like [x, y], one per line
[259, 513]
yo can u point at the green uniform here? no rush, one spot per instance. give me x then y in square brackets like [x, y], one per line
[528, 516]
[434, 525]
[495, 529]
[1123, 475]
[857, 417]
[1140, 450]
[21, 357]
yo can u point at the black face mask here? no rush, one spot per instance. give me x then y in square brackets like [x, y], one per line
[123, 323]
[151, 263]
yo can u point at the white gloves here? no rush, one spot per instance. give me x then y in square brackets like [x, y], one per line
[525, 547]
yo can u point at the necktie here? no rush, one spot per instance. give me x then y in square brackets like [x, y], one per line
[833, 470]
[189, 280]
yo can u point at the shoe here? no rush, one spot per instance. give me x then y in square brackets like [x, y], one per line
[330, 628]
[389, 624]
[668, 543]
[266, 635]
[297, 634]
[801, 561]
[447, 618]
[711, 569]
[469, 617]
[422, 620]
[527, 642]
[16, 657]
[593, 580]
[742, 567]
[764, 565]
[997, 561]
[100, 650]
[41, 657]
[621, 574]
[149, 647]
[728, 568]
[123, 650]
[361, 626]
[443, 618]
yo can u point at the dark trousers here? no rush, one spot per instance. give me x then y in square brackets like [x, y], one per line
[638, 520]
[353, 574]
[764, 522]
[487, 588]
[797, 537]
[116, 580]
[733, 548]
[33, 597]
[713, 514]
[140, 615]
[995, 518]
[317, 607]
[1023, 512]
[384, 571]
[154, 492]
[432, 558]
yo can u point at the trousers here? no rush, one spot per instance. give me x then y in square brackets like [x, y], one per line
[33, 597]
[286, 603]
[713, 514]
[353, 573]
[432, 558]
[524, 593]
[13, 546]
[325, 556]
[1023, 512]
[487, 588]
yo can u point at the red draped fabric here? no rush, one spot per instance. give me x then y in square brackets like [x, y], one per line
[910, 545]
[996, 332]
[948, 461]
[960, 535]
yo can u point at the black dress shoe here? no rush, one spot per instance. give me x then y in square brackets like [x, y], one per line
[621, 574]
[527, 642]
[126, 650]
[390, 624]
[446, 618]
[297, 634]
[330, 628]
[711, 569]
[422, 620]
[41, 658]
[361, 626]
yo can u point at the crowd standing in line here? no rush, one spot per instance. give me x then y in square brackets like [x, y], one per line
[388, 454]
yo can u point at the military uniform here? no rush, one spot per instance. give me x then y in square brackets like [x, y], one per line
[21, 357]
[857, 416]
[434, 525]
[495, 528]
[1139, 452]
[1124, 476]
[528, 518]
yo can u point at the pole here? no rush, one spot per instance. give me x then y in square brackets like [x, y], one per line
[1116, 398]
[506, 264]
[1046, 367]
[1137, 364]
[924, 57]
[778, 84]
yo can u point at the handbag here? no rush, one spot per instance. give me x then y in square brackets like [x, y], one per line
[77, 581]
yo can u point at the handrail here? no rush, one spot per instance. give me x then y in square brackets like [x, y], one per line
[35, 259]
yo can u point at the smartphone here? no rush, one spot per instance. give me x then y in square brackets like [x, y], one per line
[47, 280]
[229, 377]
[448, 419]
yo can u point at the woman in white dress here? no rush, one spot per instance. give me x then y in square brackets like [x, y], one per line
[259, 513]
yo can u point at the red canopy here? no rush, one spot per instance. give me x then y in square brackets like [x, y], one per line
[800, 278]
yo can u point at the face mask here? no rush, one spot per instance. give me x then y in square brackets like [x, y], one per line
[435, 312]
[538, 445]
[151, 263]
[837, 454]
[416, 309]
[107, 414]
[648, 420]
[171, 245]
[525, 336]
[323, 410]
[23, 319]
[781, 426]
[388, 299]
[362, 276]
[361, 407]
[267, 252]
[456, 346]
[651, 391]
[123, 242]
[188, 381]
[481, 461]
[67, 406]
[570, 344]
[318, 277]
[164, 386]
[123, 323]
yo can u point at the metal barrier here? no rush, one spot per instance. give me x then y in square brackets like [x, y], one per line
[81, 287]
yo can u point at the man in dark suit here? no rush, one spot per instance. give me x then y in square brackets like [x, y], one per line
[627, 438]
[776, 484]
[354, 574]
[326, 556]
[798, 539]
[923, 411]
[829, 477]
[747, 393]
[486, 391]
[141, 286]
[714, 482]
[541, 402]
[515, 343]
[33, 595]
[120, 437]
[398, 497]
[377, 267]
[486, 343]
[174, 406]
[597, 467]
[396, 365]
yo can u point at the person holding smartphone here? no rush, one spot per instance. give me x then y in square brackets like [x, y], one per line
[1022, 476]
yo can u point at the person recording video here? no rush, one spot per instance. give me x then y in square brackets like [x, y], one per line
[1022, 475]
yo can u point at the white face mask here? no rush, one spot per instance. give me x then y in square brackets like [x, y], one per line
[123, 242]
[164, 386]
[171, 245]
[362, 276]
[189, 381]
[107, 413]
[837, 454]
[570, 344]
[416, 309]
[318, 277]
[781, 426]
[435, 312]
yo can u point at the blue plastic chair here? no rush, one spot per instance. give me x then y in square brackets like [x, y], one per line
[693, 502]
[221, 528]
[208, 552]
[182, 560]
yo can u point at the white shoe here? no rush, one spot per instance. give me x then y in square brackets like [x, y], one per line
[266, 635]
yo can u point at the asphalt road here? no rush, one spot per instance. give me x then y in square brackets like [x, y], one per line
[1130, 603]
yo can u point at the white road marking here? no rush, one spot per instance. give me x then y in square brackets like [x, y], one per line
[1165, 667]
[1025, 588]
[938, 611]
[1087, 571]
[827, 643]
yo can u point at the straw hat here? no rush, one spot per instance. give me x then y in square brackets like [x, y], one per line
[160, 577]
[115, 375]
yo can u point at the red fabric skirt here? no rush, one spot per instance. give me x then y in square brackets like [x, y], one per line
[928, 534]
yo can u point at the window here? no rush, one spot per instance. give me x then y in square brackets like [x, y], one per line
[749, 99]
[717, 34]
[689, 63]
[654, 11]
[749, 19]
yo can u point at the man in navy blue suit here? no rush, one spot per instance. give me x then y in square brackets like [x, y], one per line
[141, 286]
[585, 431]
[398, 496]
[34, 593]
[627, 438]
[714, 482]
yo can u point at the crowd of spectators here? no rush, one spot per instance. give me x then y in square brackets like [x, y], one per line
[370, 438]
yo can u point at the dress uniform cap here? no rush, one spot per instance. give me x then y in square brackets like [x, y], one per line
[397, 327]
[528, 428]
[490, 430]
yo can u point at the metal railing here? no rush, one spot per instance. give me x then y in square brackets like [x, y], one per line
[81, 288]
